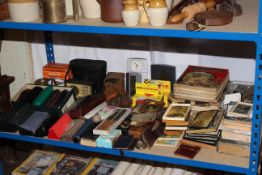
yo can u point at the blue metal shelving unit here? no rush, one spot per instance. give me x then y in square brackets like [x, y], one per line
[111, 30]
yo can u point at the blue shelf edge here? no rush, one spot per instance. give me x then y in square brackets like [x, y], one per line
[130, 154]
[153, 32]
[50, 142]
[186, 162]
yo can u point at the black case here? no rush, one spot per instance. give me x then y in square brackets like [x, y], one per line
[89, 70]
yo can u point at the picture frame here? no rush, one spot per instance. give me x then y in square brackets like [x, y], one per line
[177, 112]
[241, 109]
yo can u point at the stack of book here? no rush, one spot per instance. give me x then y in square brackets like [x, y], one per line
[204, 130]
[201, 84]
[176, 119]
[236, 129]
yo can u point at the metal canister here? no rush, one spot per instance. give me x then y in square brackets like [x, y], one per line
[54, 11]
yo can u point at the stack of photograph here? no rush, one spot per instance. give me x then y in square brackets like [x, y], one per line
[201, 84]
[203, 130]
[236, 129]
[176, 119]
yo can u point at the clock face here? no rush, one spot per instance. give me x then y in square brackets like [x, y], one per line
[137, 66]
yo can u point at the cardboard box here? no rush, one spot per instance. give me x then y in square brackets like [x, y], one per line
[152, 89]
[57, 71]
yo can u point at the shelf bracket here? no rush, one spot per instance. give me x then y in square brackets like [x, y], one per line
[49, 47]
[257, 113]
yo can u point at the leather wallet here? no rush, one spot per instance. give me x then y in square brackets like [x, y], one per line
[152, 132]
[34, 122]
[58, 129]
[43, 96]
[62, 98]
[21, 116]
[86, 131]
[136, 132]
[4, 122]
[125, 142]
[86, 105]
[28, 95]
[72, 129]
[186, 150]
[53, 98]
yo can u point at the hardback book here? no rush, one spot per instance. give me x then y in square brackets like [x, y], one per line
[73, 165]
[173, 133]
[175, 122]
[199, 97]
[206, 80]
[203, 139]
[112, 122]
[102, 167]
[172, 127]
[227, 135]
[177, 112]
[38, 163]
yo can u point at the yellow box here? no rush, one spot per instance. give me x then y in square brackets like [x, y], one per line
[153, 89]
[163, 86]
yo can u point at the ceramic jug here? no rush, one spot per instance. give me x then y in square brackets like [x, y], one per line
[131, 14]
[90, 8]
[111, 10]
[157, 12]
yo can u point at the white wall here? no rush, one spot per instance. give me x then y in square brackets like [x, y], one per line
[16, 59]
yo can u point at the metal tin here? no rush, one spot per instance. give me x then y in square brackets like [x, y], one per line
[54, 11]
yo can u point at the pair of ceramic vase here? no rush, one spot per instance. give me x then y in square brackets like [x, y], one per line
[156, 11]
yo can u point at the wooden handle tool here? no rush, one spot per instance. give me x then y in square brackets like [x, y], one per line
[188, 12]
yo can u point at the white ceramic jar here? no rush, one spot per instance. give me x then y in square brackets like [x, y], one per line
[90, 8]
[24, 10]
[157, 16]
[130, 14]
[131, 17]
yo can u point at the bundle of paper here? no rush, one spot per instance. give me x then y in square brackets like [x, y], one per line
[236, 128]
[234, 148]
[201, 83]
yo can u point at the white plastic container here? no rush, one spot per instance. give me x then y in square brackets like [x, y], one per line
[24, 10]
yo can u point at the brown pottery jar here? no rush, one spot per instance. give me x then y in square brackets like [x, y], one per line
[111, 10]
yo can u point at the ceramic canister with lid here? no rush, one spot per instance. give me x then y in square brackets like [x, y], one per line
[24, 10]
